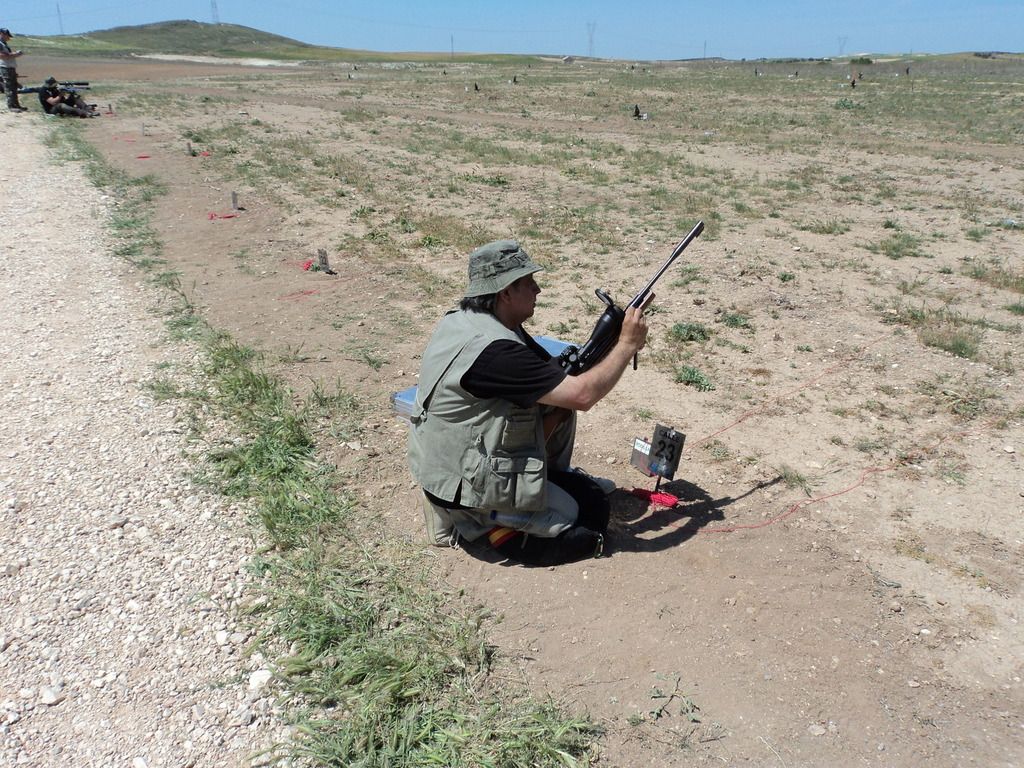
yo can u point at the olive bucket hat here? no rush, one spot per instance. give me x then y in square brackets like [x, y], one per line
[495, 266]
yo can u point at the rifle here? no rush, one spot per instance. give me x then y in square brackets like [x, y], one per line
[576, 360]
[71, 87]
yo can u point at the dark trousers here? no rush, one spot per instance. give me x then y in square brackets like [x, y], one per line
[70, 111]
[584, 539]
[10, 85]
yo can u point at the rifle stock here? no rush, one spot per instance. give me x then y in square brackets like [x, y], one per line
[609, 325]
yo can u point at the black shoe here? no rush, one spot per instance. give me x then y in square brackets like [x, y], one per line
[17, 109]
[575, 544]
[590, 495]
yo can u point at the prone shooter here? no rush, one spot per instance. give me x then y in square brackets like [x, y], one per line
[63, 99]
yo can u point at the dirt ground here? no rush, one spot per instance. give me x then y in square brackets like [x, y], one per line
[841, 583]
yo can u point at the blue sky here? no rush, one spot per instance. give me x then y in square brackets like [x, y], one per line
[641, 29]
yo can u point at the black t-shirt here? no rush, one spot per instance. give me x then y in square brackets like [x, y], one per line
[48, 93]
[507, 369]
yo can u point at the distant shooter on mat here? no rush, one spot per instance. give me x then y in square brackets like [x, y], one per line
[494, 422]
[58, 99]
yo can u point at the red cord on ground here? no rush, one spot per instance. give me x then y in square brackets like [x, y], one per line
[670, 502]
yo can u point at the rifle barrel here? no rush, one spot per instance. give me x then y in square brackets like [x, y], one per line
[697, 229]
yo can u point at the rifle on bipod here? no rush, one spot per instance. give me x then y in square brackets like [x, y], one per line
[576, 360]
[71, 87]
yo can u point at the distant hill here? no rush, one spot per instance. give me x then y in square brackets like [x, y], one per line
[195, 38]
[190, 38]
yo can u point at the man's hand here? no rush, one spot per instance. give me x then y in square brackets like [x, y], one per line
[634, 326]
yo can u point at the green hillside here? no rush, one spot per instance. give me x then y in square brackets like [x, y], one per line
[194, 38]
[177, 37]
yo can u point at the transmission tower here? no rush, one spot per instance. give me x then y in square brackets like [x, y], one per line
[591, 26]
[213, 12]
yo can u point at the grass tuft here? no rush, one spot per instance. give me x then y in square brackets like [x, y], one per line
[997, 277]
[831, 226]
[963, 342]
[794, 479]
[689, 331]
[900, 245]
[736, 320]
[692, 377]
[943, 329]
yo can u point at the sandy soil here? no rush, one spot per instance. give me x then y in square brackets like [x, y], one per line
[867, 614]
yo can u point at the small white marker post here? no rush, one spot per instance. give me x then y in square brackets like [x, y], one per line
[234, 201]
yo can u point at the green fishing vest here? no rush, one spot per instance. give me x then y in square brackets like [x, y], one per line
[490, 453]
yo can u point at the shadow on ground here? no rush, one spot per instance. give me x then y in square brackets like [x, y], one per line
[637, 526]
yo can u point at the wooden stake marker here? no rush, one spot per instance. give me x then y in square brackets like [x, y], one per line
[323, 265]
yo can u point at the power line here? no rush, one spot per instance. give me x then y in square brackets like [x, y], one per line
[85, 12]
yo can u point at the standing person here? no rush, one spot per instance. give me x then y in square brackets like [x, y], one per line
[9, 71]
[494, 422]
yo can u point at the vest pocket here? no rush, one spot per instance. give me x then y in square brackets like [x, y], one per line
[514, 482]
[520, 429]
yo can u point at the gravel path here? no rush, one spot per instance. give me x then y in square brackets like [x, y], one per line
[118, 577]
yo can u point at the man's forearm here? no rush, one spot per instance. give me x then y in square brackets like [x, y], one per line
[581, 393]
[602, 378]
